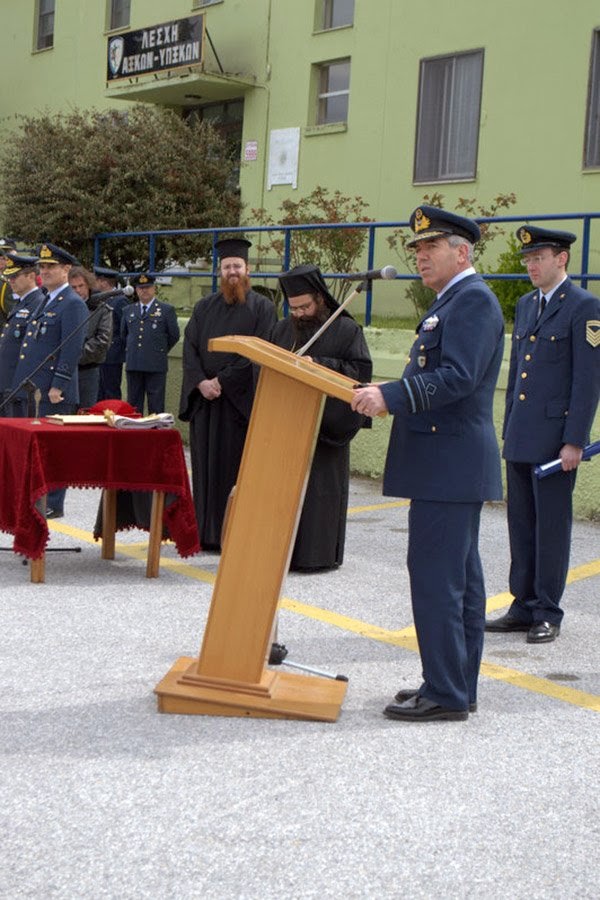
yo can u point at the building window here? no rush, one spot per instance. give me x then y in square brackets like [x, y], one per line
[592, 128]
[333, 92]
[337, 13]
[44, 25]
[448, 117]
[119, 14]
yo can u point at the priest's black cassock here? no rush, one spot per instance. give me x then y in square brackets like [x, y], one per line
[218, 427]
[322, 528]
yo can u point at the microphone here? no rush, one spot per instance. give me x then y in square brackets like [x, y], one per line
[387, 273]
[106, 295]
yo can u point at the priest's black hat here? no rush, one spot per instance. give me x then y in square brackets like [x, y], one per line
[235, 246]
[306, 279]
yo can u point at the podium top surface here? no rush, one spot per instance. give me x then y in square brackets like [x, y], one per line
[270, 356]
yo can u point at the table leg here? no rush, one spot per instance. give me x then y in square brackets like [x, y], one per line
[109, 523]
[155, 538]
[38, 570]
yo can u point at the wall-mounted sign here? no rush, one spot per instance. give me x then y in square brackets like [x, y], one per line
[250, 151]
[161, 48]
[284, 149]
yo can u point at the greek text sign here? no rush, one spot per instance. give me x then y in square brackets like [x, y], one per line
[171, 45]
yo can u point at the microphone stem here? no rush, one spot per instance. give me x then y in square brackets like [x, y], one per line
[328, 321]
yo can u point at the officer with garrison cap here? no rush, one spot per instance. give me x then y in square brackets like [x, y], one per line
[551, 399]
[444, 456]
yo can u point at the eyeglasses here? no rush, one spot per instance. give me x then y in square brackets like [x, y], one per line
[533, 259]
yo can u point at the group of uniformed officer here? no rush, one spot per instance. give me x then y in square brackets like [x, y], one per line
[44, 331]
[42, 314]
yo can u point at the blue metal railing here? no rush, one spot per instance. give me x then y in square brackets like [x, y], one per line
[372, 229]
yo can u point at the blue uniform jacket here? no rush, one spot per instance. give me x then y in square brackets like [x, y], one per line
[443, 445]
[13, 333]
[57, 322]
[148, 341]
[554, 376]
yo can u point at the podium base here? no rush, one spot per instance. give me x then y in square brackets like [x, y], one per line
[289, 696]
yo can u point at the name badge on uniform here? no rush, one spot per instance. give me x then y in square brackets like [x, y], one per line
[430, 323]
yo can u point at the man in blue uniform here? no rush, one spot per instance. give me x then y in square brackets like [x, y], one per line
[21, 274]
[551, 399]
[7, 248]
[444, 456]
[149, 329]
[54, 336]
[111, 370]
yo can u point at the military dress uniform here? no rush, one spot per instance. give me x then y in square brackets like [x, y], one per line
[12, 335]
[60, 319]
[148, 336]
[551, 399]
[443, 455]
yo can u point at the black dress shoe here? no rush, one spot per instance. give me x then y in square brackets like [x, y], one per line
[420, 709]
[54, 513]
[507, 623]
[542, 633]
[278, 654]
[401, 696]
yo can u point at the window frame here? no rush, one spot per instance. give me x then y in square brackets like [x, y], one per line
[110, 14]
[591, 140]
[39, 33]
[323, 95]
[326, 15]
[447, 132]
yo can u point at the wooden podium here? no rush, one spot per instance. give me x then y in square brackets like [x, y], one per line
[230, 677]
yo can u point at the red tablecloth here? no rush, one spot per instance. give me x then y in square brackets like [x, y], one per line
[35, 459]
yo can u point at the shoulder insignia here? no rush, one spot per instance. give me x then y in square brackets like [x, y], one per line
[592, 332]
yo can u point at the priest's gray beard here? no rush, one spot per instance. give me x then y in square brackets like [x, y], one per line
[235, 292]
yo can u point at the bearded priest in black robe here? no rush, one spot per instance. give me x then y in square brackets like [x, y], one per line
[342, 347]
[218, 388]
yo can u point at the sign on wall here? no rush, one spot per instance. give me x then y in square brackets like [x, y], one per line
[160, 48]
[284, 150]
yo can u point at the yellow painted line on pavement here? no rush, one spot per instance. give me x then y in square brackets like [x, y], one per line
[393, 504]
[405, 638]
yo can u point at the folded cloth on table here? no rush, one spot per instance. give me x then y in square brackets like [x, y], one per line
[156, 420]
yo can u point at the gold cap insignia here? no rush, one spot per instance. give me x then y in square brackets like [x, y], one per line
[592, 332]
[45, 252]
[143, 279]
[421, 221]
[524, 236]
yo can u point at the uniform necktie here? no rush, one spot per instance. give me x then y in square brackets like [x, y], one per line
[144, 311]
[542, 305]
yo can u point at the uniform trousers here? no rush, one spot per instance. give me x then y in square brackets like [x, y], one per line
[110, 381]
[540, 516]
[147, 384]
[448, 598]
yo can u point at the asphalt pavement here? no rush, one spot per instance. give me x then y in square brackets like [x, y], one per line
[104, 797]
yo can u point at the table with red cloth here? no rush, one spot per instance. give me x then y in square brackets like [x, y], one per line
[36, 459]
